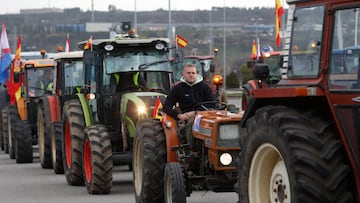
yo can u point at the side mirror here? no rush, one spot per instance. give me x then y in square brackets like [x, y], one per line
[212, 68]
[88, 57]
[16, 77]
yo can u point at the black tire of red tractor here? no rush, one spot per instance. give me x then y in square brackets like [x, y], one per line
[2, 145]
[13, 117]
[174, 183]
[56, 148]
[73, 126]
[24, 147]
[97, 160]
[312, 155]
[43, 134]
[149, 161]
[5, 129]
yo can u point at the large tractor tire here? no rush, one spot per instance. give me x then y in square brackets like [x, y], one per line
[149, 161]
[24, 147]
[174, 188]
[97, 160]
[43, 134]
[73, 128]
[290, 156]
[13, 118]
[56, 148]
[4, 119]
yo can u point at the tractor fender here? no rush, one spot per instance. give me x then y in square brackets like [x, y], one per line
[53, 102]
[172, 139]
[86, 109]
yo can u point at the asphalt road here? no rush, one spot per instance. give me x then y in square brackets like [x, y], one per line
[29, 183]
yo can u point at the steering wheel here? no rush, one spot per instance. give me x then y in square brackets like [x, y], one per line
[218, 105]
[134, 88]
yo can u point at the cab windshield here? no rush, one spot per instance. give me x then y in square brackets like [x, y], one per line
[39, 81]
[131, 59]
[306, 42]
[345, 52]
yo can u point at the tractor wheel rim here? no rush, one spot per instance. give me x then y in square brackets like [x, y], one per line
[68, 144]
[53, 147]
[87, 161]
[268, 177]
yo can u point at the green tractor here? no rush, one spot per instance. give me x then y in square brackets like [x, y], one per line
[125, 78]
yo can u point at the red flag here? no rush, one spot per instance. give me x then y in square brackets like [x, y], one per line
[181, 41]
[88, 44]
[14, 90]
[67, 44]
[157, 107]
[279, 11]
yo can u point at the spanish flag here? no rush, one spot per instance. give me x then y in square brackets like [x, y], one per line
[279, 11]
[181, 41]
[253, 51]
[14, 90]
[157, 107]
[88, 44]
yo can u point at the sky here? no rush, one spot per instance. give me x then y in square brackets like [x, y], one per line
[14, 6]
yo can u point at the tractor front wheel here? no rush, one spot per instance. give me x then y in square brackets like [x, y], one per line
[43, 131]
[56, 149]
[174, 187]
[23, 144]
[13, 117]
[291, 156]
[5, 129]
[97, 160]
[73, 127]
[149, 161]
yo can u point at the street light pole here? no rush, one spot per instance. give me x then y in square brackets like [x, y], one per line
[135, 16]
[211, 48]
[224, 46]
[170, 32]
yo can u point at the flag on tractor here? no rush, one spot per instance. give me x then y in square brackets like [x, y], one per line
[253, 50]
[14, 90]
[279, 11]
[5, 57]
[182, 42]
[157, 107]
[67, 44]
[88, 44]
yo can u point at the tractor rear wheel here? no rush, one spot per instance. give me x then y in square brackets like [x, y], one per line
[174, 188]
[56, 148]
[149, 161]
[4, 116]
[13, 117]
[24, 147]
[43, 131]
[73, 133]
[292, 157]
[97, 160]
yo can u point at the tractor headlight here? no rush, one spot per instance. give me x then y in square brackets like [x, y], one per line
[225, 159]
[141, 110]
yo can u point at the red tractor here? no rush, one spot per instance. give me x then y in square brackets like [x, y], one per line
[69, 77]
[302, 133]
[168, 168]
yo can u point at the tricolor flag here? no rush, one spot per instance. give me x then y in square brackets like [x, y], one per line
[14, 90]
[279, 11]
[67, 44]
[182, 42]
[5, 58]
[88, 44]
